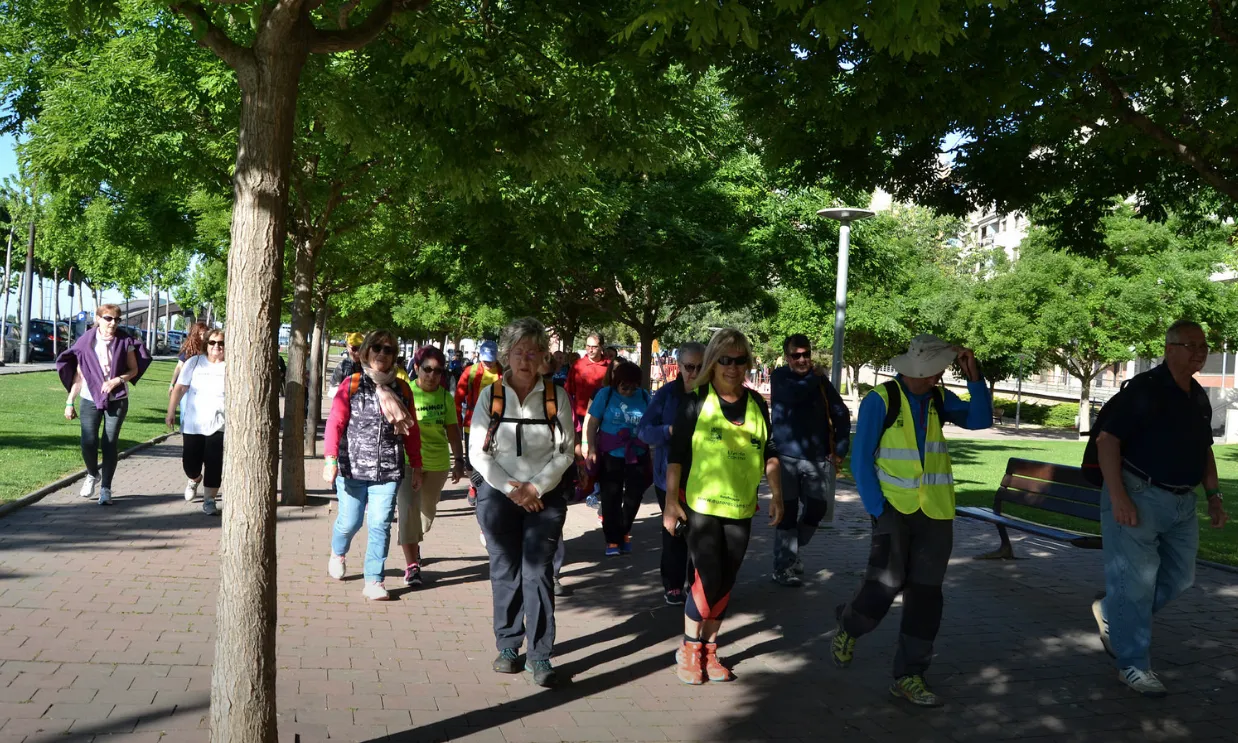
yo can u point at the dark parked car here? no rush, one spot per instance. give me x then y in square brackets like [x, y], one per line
[41, 346]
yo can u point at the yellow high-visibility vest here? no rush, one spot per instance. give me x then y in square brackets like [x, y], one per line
[907, 484]
[728, 460]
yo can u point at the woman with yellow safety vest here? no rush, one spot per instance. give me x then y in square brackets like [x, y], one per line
[720, 446]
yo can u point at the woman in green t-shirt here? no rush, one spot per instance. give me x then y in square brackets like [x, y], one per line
[436, 417]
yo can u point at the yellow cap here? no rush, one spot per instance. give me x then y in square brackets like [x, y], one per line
[354, 339]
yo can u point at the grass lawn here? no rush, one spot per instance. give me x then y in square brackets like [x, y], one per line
[38, 446]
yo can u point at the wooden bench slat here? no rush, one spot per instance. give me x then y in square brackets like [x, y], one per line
[1053, 489]
[1050, 504]
[1060, 473]
[1076, 538]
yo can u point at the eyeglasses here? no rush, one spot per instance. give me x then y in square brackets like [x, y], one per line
[694, 368]
[733, 360]
[432, 369]
[354, 349]
[215, 343]
[527, 356]
[108, 318]
[799, 356]
[378, 348]
[1192, 347]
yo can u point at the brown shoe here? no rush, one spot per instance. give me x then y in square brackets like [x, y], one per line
[688, 664]
[714, 670]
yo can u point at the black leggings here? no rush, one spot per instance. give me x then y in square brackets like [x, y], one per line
[716, 546]
[112, 419]
[204, 456]
[675, 563]
[622, 485]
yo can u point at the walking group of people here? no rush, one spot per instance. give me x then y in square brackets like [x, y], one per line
[538, 430]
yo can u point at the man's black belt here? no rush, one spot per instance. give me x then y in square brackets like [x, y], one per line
[1140, 474]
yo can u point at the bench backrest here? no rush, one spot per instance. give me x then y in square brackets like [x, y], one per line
[1051, 487]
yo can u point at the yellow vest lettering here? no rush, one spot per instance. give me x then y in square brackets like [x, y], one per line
[728, 460]
[907, 484]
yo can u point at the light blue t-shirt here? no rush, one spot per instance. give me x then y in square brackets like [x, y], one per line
[618, 412]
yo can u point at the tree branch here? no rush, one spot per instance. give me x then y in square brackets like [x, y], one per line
[1141, 122]
[234, 55]
[323, 41]
[1218, 25]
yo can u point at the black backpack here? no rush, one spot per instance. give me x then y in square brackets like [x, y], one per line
[895, 404]
[1091, 458]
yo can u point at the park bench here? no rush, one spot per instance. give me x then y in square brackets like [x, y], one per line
[1054, 488]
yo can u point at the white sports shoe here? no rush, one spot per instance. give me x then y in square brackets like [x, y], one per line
[481, 536]
[335, 567]
[88, 487]
[208, 507]
[1144, 682]
[375, 592]
[191, 490]
[105, 496]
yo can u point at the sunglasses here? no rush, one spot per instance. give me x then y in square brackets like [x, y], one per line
[380, 348]
[733, 360]
[354, 349]
[694, 368]
[432, 369]
[215, 343]
[798, 356]
[108, 318]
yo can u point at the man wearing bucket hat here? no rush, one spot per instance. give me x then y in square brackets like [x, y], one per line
[476, 378]
[902, 470]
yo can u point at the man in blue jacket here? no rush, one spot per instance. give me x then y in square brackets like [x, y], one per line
[655, 430]
[812, 429]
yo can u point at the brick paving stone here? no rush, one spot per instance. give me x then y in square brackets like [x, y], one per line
[107, 632]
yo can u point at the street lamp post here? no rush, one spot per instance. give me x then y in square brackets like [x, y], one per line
[845, 217]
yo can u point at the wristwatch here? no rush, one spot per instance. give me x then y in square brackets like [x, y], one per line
[1210, 494]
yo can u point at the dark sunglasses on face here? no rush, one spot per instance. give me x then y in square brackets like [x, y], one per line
[798, 356]
[694, 368]
[215, 343]
[354, 349]
[108, 318]
[432, 369]
[389, 350]
[733, 360]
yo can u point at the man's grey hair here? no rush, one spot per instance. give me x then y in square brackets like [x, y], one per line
[519, 330]
[1174, 334]
[692, 347]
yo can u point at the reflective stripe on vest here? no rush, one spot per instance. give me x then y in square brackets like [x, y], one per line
[906, 483]
[728, 460]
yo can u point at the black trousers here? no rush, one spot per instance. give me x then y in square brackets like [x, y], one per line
[622, 485]
[111, 419]
[522, 547]
[909, 554]
[203, 456]
[675, 563]
[717, 546]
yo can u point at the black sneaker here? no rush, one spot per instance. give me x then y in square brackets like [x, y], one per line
[674, 598]
[412, 576]
[544, 674]
[787, 578]
[507, 662]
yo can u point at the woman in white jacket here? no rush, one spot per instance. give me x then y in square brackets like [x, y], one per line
[521, 456]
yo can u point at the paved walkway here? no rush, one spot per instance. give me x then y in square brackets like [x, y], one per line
[106, 634]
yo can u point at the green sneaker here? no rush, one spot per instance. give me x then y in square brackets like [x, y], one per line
[842, 648]
[914, 690]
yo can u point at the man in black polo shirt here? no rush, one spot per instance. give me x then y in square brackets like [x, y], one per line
[1154, 450]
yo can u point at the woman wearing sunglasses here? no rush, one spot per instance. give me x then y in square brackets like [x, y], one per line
[436, 421]
[201, 385]
[719, 449]
[99, 367]
[368, 433]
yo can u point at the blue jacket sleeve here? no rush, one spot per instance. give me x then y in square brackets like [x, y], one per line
[974, 414]
[654, 429]
[863, 453]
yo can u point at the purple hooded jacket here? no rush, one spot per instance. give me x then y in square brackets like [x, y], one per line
[81, 355]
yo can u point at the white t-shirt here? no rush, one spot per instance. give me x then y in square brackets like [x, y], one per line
[202, 408]
[103, 352]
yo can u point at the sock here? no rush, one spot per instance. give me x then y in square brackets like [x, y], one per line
[210, 493]
[686, 638]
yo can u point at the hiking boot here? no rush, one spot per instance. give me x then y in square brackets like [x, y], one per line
[412, 576]
[105, 496]
[335, 567]
[191, 489]
[612, 550]
[787, 578]
[88, 487]
[688, 663]
[507, 662]
[593, 501]
[913, 689]
[1102, 624]
[674, 597]
[842, 648]
[626, 547]
[1144, 682]
[714, 670]
[375, 592]
[544, 674]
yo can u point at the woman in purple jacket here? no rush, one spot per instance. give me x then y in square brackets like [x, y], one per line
[99, 368]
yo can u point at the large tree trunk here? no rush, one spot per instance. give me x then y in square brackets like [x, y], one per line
[243, 680]
[1085, 407]
[646, 354]
[318, 359]
[292, 470]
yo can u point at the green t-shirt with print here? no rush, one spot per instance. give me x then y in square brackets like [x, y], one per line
[435, 411]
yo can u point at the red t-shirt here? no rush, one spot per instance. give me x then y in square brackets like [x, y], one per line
[583, 381]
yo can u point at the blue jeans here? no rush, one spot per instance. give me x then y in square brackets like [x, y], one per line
[1146, 566]
[353, 496]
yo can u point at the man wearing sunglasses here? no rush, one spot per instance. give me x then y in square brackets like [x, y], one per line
[812, 428]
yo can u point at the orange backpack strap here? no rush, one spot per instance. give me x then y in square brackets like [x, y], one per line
[354, 382]
[498, 405]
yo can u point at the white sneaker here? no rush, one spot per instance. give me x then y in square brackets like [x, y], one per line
[375, 592]
[88, 487]
[105, 496]
[1144, 682]
[335, 567]
[481, 535]
[191, 490]
[208, 507]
